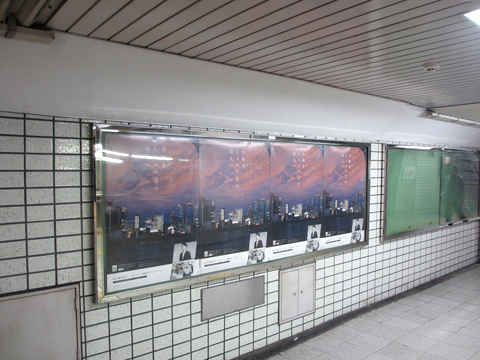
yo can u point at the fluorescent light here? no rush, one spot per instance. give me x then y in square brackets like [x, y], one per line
[442, 116]
[152, 157]
[452, 119]
[114, 153]
[111, 160]
[474, 16]
[23, 33]
[99, 155]
[415, 147]
[106, 130]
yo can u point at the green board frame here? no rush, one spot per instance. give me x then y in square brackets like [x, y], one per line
[427, 188]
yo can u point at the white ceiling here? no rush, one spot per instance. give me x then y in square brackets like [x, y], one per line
[375, 47]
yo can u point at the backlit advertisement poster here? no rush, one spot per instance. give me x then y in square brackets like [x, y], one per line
[173, 207]
[234, 181]
[344, 196]
[296, 185]
[152, 180]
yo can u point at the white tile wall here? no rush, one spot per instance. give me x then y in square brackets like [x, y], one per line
[12, 162]
[46, 239]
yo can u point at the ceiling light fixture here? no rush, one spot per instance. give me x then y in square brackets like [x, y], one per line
[474, 16]
[11, 30]
[453, 119]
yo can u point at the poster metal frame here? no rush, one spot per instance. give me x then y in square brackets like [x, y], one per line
[99, 206]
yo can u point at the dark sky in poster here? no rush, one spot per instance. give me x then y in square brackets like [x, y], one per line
[151, 186]
[231, 173]
[345, 171]
[296, 172]
[234, 174]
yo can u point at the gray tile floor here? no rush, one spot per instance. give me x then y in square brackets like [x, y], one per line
[439, 322]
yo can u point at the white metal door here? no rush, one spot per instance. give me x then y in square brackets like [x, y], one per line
[306, 289]
[297, 292]
[40, 325]
[288, 295]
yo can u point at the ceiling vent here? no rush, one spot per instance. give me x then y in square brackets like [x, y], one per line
[430, 66]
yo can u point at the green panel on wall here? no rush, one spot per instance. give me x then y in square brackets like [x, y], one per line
[413, 188]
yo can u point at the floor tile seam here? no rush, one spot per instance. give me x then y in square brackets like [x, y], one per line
[422, 336]
[470, 281]
[404, 310]
[423, 351]
[454, 343]
[470, 351]
[429, 316]
[463, 347]
[432, 317]
[476, 355]
[457, 318]
[455, 298]
[466, 331]
[308, 346]
[438, 311]
[367, 348]
[472, 314]
[330, 351]
[363, 328]
[460, 302]
[410, 320]
[468, 286]
[288, 355]
[340, 339]
[401, 345]
[470, 328]
[378, 322]
[387, 339]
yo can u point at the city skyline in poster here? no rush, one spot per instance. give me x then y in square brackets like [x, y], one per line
[233, 176]
[159, 174]
[345, 170]
[296, 176]
[170, 175]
